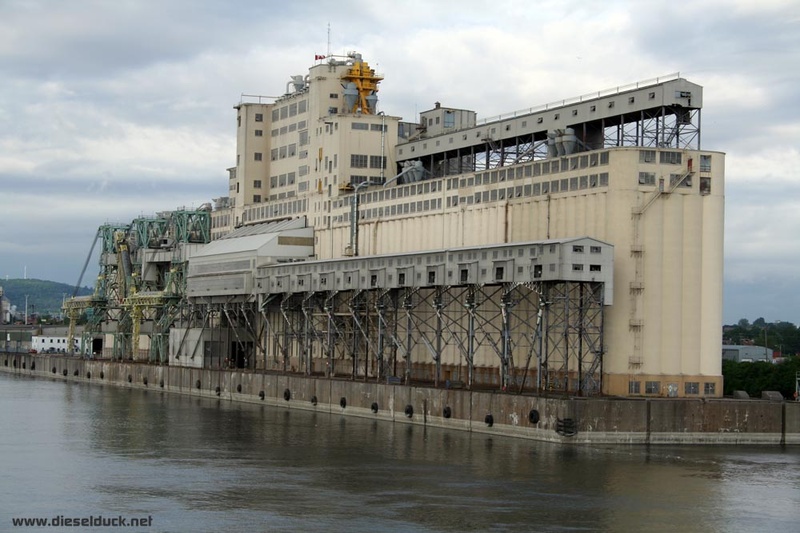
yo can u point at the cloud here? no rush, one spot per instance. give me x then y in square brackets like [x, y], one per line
[112, 110]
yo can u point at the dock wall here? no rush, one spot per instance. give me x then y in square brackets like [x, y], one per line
[567, 420]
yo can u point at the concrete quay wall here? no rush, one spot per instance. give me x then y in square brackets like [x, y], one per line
[565, 420]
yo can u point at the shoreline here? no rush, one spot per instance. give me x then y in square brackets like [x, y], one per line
[595, 420]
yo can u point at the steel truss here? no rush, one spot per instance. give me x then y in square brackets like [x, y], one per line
[573, 338]
[235, 333]
[479, 335]
[659, 127]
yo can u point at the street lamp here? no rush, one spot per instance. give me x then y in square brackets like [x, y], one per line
[354, 216]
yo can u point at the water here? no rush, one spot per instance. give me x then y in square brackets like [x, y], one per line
[81, 450]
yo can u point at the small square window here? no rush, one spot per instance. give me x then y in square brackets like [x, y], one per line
[709, 389]
[634, 387]
[259, 117]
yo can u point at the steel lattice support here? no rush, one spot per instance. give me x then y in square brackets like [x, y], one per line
[573, 338]
[507, 331]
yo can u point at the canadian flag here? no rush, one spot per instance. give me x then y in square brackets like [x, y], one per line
[317, 57]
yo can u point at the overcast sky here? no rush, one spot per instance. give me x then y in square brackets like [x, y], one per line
[114, 109]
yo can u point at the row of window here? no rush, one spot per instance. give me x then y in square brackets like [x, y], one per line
[689, 388]
[221, 221]
[513, 251]
[361, 161]
[274, 210]
[282, 180]
[525, 171]
[494, 195]
[288, 111]
[294, 126]
[364, 126]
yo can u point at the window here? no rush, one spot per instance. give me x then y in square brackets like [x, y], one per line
[705, 185]
[259, 117]
[577, 249]
[705, 163]
[449, 119]
[647, 178]
[498, 273]
[709, 388]
[358, 161]
[576, 267]
[594, 249]
[376, 160]
[257, 184]
[259, 133]
[691, 387]
[595, 268]
[256, 198]
[670, 158]
[257, 156]
[647, 156]
[634, 387]
[360, 126]
[652, 387]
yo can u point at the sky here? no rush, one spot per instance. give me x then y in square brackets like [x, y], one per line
[114, 110]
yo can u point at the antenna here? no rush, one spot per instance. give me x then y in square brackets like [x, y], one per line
[329, 40]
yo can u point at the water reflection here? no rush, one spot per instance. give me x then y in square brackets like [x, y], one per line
[209, 465]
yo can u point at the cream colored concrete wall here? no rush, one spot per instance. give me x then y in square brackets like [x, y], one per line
[681, 235]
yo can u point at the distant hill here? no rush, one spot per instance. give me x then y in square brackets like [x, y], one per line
[44, 297]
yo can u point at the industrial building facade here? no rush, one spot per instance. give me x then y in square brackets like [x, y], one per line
[572, 247]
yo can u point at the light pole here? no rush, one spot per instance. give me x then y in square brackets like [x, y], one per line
[354, 216]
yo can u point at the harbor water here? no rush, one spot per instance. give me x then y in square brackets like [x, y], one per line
[82, 451]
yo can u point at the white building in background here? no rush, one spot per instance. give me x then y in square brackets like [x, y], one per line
[746, 353]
